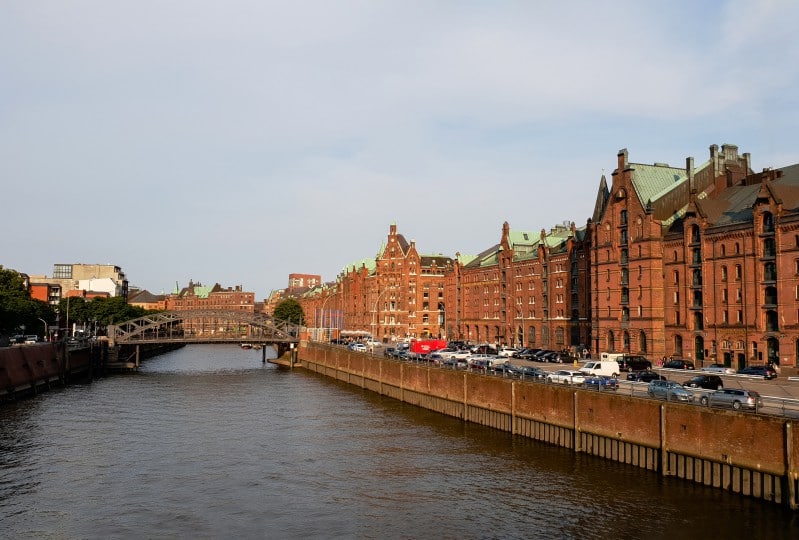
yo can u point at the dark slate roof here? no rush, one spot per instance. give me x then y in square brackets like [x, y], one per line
[145, 297]
[440, 261]
[485, 258]
[734, 204]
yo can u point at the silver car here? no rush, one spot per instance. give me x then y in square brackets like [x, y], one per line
[733, 397]
[670, 391]
[718, 368]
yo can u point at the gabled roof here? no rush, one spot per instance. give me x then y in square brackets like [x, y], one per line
[145, 297]
[651, 182]
[735, 203]
[488, 257]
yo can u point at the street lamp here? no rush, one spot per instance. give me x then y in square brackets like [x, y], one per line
[323, 311]
[46, 337]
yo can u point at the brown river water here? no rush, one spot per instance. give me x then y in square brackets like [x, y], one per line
[207, 442]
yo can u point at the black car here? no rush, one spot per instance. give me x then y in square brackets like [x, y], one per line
[633, 363]
[645, 376]
[526, 372]
[767, 372]
[708, 382]
[678, 364]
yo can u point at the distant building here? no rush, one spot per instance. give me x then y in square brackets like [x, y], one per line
[147, 300]
[198, 297]
[84, 280]
[396, 295]
[303, 281]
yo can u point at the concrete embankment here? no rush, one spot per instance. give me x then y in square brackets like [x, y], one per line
[753, 455]
[32, 368]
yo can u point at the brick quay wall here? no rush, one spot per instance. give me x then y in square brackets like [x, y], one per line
[28, 369]
[753, 455]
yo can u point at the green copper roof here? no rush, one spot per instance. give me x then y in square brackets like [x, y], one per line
[653, 181]
[202, 292]
[370, 265]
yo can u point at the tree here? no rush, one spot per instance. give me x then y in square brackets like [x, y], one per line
[290, 311]
[102, 311]
[18, 309]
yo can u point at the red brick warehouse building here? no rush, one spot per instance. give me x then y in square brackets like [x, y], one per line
[529, 290]
[700, 262]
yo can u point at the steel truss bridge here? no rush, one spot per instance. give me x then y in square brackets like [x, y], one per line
[204, 326]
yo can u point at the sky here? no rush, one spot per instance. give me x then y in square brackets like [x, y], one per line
[237, 142]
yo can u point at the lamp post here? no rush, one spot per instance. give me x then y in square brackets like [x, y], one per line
[45, 336]
[323, 312]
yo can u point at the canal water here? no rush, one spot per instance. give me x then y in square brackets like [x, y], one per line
[207, 442]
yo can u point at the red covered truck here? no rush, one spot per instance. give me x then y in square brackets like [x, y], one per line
[426, 346]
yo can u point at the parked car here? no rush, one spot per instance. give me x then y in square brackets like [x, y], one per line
[526, 372]
[566, 376]
[527, 354]
[389, 351]
[484, 349]
[678, 364]
[718, 368]
[455, 363]
[767, 372]
[708, 382]
[555, 358]
[508, 352]
[630, 363]
[645, 376]
[670, 391]
[733, 397]
[599, 382]
[358, 347]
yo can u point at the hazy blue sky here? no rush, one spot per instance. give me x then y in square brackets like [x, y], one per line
[239, 141]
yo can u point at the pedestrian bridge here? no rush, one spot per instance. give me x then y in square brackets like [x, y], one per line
[204, 326]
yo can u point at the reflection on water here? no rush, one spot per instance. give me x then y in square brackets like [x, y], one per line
[208, 441]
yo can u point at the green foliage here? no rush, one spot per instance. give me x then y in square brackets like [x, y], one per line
[18, 309]
[290, 310]
[103, 311]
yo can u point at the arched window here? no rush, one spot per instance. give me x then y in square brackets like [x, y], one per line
[611, 341]
[723, 250]
[531, 335]
[678, 345]
[642, 343]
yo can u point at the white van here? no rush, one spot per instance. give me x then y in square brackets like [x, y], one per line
[602, 368]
